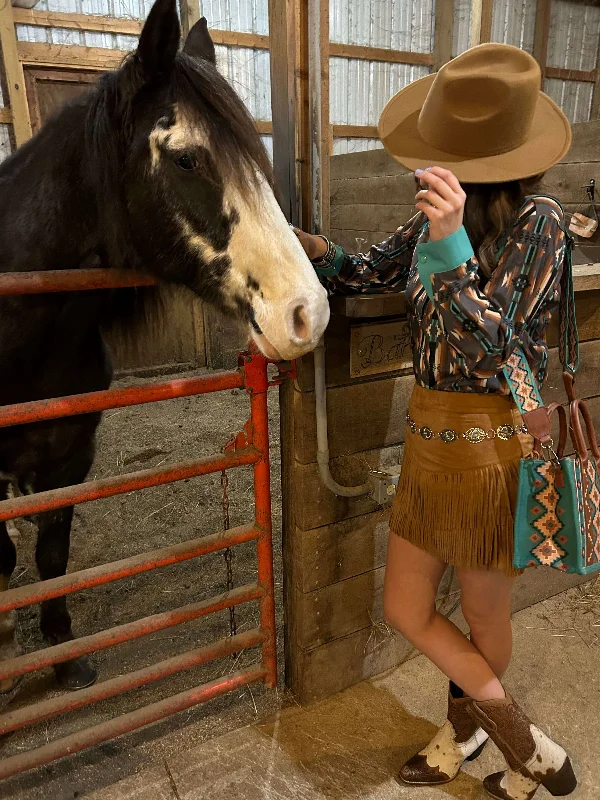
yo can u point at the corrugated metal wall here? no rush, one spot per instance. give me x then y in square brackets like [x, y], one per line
[359, 88]
[246, 69]
[573, 43]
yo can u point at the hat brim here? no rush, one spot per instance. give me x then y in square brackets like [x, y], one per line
[548, 143]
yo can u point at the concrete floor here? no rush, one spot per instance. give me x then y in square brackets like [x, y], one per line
[350, 746]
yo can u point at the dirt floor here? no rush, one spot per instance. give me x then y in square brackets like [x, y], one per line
[107, 530]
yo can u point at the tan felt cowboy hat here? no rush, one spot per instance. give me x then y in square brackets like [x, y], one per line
[482, 116]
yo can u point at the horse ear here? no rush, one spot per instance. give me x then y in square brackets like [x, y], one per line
[160, 37]
[199, 44]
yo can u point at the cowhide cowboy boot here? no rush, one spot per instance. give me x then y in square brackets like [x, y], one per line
[532, 757]
[460, 739]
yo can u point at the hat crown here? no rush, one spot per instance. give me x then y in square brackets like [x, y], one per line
[473, 97]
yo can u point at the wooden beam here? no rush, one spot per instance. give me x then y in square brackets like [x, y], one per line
[190, 14]
[487, 16]
[75, 56]
[264, 128]
[595, 109]
[6, 116]
[320, 128]
[303, 114]
[15, 79]
[282, 29]
[444, 23]
[542, 32]
[572, 74]
[95, 23]
[482, 12]
[355, 131]
[83, 22]
[379, 54]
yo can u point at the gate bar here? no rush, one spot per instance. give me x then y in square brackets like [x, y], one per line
[122, 484]
[71, 405]
[255, 369]
[55, 706]
[83, 645]
[129, 722]
[125, 568]
[71, 280]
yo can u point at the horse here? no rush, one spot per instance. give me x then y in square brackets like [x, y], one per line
[159, 169]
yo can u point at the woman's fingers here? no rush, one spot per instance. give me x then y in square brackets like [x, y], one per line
[446, 185]
[449, 177]
[434, 199]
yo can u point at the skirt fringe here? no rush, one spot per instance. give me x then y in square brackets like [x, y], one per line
[457, 501]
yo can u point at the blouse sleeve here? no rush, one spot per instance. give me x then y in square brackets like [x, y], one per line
[485, 326]
[383, 269]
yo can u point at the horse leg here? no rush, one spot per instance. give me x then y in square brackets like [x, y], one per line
[52, 551]
[52, 556]
[8, 562]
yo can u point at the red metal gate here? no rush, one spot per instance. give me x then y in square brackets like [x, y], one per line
[251, 447]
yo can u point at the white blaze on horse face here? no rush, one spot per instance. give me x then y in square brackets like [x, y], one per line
[182, 135]
[289, 303]
[269, 268]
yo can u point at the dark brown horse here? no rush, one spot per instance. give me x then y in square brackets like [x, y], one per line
[159, 169]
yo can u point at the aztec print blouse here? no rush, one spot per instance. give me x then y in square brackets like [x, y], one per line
[464, 327]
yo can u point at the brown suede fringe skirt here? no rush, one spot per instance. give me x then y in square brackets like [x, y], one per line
[456, 499]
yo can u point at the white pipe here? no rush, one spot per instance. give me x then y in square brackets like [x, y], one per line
[322, 438]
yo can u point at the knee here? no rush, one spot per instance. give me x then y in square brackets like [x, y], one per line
[481, 617]
[410, 621]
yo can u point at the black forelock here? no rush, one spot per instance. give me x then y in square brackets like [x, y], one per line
[206, 98]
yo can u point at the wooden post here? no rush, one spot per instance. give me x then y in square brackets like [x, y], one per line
[15, 78]
[190, 14]
[542, 31]
[320, 129]
[482, 12]
[283, 46]
[444, 21]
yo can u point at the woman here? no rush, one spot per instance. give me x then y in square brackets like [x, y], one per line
[486, 125]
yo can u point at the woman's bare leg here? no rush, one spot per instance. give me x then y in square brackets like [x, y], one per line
[412, 578]
[485, 599]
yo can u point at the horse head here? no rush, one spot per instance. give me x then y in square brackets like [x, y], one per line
[185, 182]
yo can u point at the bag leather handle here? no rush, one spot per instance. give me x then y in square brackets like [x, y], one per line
[577, 410]
[563, 428]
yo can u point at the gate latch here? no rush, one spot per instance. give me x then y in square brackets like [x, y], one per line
[383, 486]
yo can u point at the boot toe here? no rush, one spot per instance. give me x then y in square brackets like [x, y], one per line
[492, 785]
[417, 772]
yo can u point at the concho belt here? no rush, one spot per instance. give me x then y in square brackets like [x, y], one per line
[473, 435]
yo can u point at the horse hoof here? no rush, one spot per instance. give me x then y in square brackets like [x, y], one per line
[77, 674]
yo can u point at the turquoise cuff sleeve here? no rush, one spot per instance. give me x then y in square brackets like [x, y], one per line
[442, 256]
[330, 267]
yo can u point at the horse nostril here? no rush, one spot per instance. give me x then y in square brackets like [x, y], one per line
[301, 324]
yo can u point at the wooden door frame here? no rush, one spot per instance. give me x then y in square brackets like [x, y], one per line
[36, 75]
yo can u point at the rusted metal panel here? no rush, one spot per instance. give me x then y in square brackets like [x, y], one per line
[38, 410]
[55, 706]
[129, 722]
[58, 653]
[125, 568]
[250, 447]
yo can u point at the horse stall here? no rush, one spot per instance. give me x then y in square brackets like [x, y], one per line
[196, 548]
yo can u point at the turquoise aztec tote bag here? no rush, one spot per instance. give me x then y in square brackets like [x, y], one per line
[557, 518]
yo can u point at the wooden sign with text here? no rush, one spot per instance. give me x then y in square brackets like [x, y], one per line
[379, 347]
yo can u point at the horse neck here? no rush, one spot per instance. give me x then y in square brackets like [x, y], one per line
[47, 210]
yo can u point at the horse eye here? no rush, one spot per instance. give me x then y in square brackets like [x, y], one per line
[186, 162]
